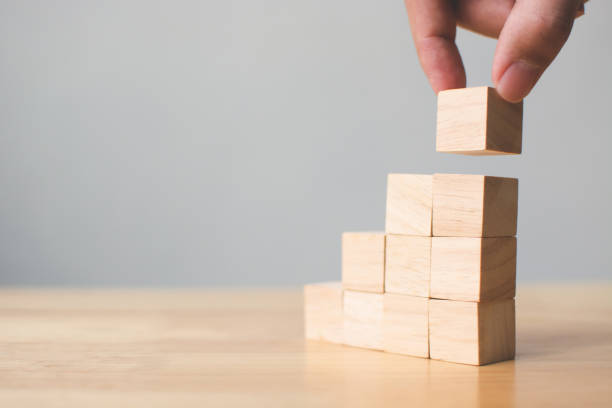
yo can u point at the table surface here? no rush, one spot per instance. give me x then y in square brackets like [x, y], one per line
[229, 348]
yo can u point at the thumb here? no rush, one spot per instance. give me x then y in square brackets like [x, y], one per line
[530, 40]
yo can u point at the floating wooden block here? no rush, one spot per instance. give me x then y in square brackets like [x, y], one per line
[405, 325]
[363, 261]
[323, 316]
[363, 319]
[473, 269]
[470, 332]
[474, 206]
[409, 204]
[477, 121]
[407, 265]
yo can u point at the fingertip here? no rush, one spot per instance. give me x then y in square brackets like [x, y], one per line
[517, 81]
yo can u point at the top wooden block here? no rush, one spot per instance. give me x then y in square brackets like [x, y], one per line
[477, 121]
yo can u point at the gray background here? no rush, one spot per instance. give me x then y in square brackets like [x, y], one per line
[179, 143]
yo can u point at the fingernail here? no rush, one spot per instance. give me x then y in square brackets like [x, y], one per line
[517, 81]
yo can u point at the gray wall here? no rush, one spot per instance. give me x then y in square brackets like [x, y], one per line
[225, 142]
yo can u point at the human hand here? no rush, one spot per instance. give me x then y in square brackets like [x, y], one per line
[531, 33]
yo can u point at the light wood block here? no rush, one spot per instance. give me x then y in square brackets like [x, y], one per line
[470, 332]
[407, 265]
[363, 261]
[323, 316]
[405, 325]
[473, 269]
[409, 204]
[477, 121]
[363, 319]
[474, 206]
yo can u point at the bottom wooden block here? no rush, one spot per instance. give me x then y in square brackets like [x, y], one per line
[323, 317]
[405, 325]
[363, 319]
[470, 332]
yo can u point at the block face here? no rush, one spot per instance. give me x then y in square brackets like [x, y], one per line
[504, 125]
[409, 204]
[497, 331]
[498, 268]
[407, 265]
[456, 268]
[477, 121]
[405, 325]
[471, 333]
[461, 120]
[473, 269]
[363, 319]
[453, 331]
[323, 315]
[458, 205]
[363, 261]
[500, 206]
[474, 206]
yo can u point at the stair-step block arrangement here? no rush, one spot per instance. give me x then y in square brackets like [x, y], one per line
[421, 294]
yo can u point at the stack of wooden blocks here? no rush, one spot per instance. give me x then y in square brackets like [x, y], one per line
[440, 281]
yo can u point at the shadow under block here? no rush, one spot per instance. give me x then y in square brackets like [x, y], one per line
[409, 204]
[467, 205]
[363, 261]
[477, 121]
[405, 325]
[323, 316]
[407, 265]
[470, 332]
[473, 269]
[363, 319]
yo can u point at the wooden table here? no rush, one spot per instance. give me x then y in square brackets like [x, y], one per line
[224, 348]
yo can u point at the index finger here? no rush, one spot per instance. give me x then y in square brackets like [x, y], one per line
[433, 25]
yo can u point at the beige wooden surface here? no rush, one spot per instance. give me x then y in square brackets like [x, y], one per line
[245, 348]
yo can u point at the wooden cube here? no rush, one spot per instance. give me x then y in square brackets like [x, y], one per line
[470, 332]
[407, 265]
[473, 269]
[477, 121]
[363, 261]
[323, 315]
[474, 206]
[405, 325]
[409, 204]
[363, 319]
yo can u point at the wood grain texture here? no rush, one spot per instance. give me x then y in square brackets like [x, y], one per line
[470, 332]
[363, 319]
[409, 204]
[363, 261]
[407, 265]
[477, 121]
[405, 325]
[245, 347]
[323, 316]
[473, 269]
[466, 205]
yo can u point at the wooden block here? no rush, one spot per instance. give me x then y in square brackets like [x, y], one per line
[407, 265]
[363, 261]
[323, 316]
[363, 319]
[409, 204]
[470, 332]
[405, 325]
[477, 121]
[474, 206]
[473, 269]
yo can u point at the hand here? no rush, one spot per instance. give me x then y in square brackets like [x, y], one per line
[531, 34]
